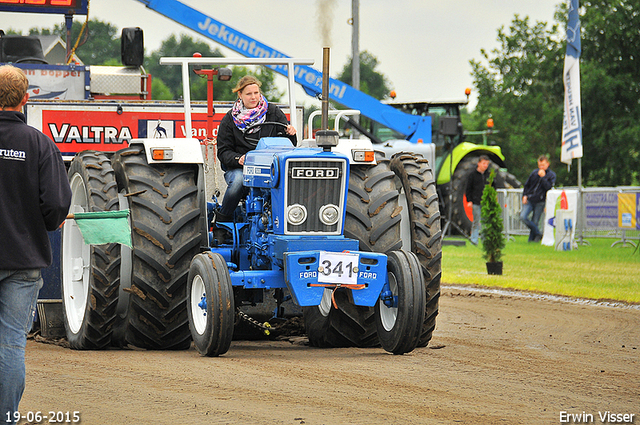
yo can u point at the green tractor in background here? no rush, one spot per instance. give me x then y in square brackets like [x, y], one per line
[453, 158]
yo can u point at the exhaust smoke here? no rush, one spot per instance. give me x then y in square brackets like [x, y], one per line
[325, 18]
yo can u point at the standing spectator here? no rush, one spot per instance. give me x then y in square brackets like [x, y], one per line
[34, 198]
[475, 186]
[534, 196]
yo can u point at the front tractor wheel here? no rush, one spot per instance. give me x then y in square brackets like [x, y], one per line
[210, 304]
[400, 310]
[89, 273]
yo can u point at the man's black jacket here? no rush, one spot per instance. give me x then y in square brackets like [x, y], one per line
[475, 186]
[34, 193]
[536, 187]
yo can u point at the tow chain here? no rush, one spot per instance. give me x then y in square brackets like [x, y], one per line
[264, 327]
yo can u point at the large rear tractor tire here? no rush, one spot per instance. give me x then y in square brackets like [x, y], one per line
[210, 304]
[373, 218]
[419, 190]
[460, 214]
[165, 203]
[89, 273]
[373, 215]
[348, 325]
[399, 319]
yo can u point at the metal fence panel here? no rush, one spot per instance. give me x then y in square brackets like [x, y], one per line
[597, 213]
[511, 201]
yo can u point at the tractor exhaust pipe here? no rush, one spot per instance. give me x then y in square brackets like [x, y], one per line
[325, 89]
[324, 138]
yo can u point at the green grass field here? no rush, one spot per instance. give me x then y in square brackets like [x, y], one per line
[595, 271]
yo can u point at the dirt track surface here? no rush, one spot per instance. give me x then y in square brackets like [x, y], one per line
[494, 359]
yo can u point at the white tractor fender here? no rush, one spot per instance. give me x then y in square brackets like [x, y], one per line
[171, 150]
[393, 146]
[352, 148]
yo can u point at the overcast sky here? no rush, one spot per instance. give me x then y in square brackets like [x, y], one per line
[423, 46]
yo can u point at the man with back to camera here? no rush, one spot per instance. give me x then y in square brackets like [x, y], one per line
[534, 196]
[34, 198]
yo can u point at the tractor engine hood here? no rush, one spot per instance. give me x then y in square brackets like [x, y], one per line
[308, 186]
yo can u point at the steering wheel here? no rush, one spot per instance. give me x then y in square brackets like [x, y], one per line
[32, 60]
[279, 131]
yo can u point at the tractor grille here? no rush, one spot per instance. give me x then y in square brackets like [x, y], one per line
[314, 184]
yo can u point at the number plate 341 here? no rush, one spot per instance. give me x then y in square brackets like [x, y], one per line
[338, 268]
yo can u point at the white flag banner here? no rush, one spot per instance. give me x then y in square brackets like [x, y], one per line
[572, 118]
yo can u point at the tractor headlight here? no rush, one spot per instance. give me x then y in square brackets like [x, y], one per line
[296, 214]
[329, 214]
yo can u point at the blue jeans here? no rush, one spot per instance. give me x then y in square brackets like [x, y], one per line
[477, 223]
[18, 296]
[235, 191]
[537, 208]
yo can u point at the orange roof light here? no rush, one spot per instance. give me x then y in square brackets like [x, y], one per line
[467, 91]
[490, 123]
[393, 94]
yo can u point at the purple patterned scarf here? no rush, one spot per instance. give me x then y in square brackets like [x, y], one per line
[243, 117]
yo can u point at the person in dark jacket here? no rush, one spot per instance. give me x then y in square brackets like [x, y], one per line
[239, 132]
[34, 198]
[475, 187]
[534, 196]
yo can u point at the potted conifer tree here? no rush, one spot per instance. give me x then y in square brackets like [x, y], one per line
[493, 240]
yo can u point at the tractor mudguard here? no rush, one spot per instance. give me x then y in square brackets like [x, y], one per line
[171, 150]
[460, 152]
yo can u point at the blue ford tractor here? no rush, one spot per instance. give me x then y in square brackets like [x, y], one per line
[186, 276]
[288, 235]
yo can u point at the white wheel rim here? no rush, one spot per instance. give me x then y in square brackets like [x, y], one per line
[325, 302]
[389, 315]
[76, 260]
[198, 313]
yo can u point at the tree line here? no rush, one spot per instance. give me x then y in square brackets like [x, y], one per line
[519, 85]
